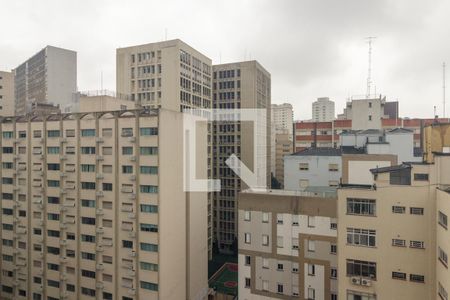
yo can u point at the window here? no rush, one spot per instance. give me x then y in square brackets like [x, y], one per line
[53, 133]
[399, 275]
[265, 217]
[88, 256]
[107, 186]
[70, 132]
[442, 219]
[303, 166]
[53, 233]
[365, 207]
[148, 131]
[147, 208]
[53, 283]
[416, 244]
[333, 183]
[149, 227]
[149, 189]
[265, 285]
[295, 243]
[333, 249]
[127, 132]
[87, 221]
[398, 243]
[127, 244]
[311, 270]
[311, 246]
[294, 267]
[442, 292]
[311, 294]
[87, 132]
[87, 273]
[88, 185]
[247, 215]
[88, 238]
[127, 169]
[400, 177]
[333, 167]
[420, 177]
[311, 221]
[88, 292]
[442, 256]
[148, 266]
[280, 243]
[361, 268]
[416, 210]
[87, 203]
[416, 278]
[398, 209]
[37, 133]
[280, 288]
[333, 274]
[247, 282]
[149, 247]
[247, 238]
[279, 218]
[87, 150]
[247, 260]
[148, 170]
[53, 150]
[106, 132]
[53, 183]
[53, 217]
[8, 134]
[53, 167]
[149, 286]
[361, 237]
[87, 168]
[148, 150]
[127, 150]
[107, 150]
[265, 240]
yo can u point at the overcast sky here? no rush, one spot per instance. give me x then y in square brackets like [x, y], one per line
[312, 48]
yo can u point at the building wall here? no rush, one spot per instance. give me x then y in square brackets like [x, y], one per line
[402, 145]
[85, 103]
[389, 258]
[283, 148]
[6, 93]
[436, 139]
[442, 244]
[179, 239]
[288, 215]
[366, 113]
[318, 173]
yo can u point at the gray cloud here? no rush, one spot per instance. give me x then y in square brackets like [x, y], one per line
[312, 48]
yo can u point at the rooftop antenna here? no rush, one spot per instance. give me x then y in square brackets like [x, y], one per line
[443, 88]
[369, 71]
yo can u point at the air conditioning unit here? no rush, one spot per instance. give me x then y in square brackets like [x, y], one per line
[366, 282]
[356, 280]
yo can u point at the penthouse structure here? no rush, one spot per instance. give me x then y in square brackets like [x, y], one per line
[93, 206]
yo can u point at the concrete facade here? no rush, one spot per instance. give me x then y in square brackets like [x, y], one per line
[48, 77]
[94, 207]
[6, 93]
[99, 101]
[381, 261]
[240, 85]
[283, 148]
[313, 167]
[323, 110]
[286, 246]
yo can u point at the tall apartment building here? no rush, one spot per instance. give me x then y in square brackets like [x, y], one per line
[283, 148]
[282, 118]
[323, 110]
[49, 77]
[6, 93]
[393, 240]
[170, 75]
[240, 85]
[287, 246]
[93, 207]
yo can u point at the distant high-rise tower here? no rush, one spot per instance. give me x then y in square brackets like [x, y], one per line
[245, 85]
[6, 93]
[323, 110]
[48, 77]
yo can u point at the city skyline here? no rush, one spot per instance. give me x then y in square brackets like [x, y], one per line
[330, 62]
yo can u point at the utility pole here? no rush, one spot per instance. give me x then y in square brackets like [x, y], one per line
[369, 71]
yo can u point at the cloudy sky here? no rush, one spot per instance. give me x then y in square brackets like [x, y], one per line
[312, 48]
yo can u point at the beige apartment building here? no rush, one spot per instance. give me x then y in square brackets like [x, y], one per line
[392, 237]
[170, 75]
[287, 245]
[6, 93]
[283, 147]
[240, 85]
[93, 207]
[282, 118]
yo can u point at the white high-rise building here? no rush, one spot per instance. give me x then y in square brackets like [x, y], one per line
[323, 110]
[282, 118]
[48, 77]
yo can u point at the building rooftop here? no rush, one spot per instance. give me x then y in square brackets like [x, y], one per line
[319, 152]
[400, 130]
[322, 192]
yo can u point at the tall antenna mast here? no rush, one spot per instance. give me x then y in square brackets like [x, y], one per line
[369, 71]
[443, 88]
